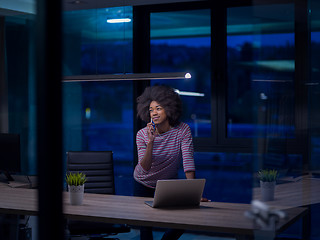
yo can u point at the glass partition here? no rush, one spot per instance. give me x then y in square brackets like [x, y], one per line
[272, 93]
[98, 116]
[18, 99]
[313, 106]
[314, 86]
[282, 94]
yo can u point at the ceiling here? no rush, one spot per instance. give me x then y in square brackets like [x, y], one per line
[240, 19]
[17, 7]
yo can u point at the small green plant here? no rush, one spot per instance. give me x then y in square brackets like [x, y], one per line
[268, 175]
[75, 179]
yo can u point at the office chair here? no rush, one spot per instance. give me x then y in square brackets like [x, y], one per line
[98, 167]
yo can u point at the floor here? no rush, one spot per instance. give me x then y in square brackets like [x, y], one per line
[134, 235]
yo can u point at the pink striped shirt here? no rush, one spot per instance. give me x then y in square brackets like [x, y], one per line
[169, 149]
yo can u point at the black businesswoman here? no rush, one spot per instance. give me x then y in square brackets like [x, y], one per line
[162, 145]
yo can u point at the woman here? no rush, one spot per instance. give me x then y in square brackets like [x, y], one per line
[162, 144]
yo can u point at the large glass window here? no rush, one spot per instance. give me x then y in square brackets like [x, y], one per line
[181, 42]
[97, 44]
[185, 45]
[260, 70]
[98, 116]
[228, 175]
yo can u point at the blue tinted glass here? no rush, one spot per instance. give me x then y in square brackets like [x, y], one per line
[181, 42]
[314, 87]
[18, 84]
[98, 116]
[229, 176]
[261, 68]
[94, 45]
[114, 40]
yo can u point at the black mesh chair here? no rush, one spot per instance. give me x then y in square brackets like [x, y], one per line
[98, 167]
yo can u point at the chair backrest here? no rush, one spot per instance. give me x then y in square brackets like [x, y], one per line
[98, 167]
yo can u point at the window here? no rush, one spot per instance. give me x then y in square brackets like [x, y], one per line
[98, 116]
[181, 42]
[260, 69]
[95, 46]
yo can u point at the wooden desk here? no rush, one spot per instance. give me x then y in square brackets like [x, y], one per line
[217, 217]
[304, 192]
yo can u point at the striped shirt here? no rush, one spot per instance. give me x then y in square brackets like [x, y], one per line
[169, 149]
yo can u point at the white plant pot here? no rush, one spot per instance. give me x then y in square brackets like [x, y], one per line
[76, 194]
[267, 190]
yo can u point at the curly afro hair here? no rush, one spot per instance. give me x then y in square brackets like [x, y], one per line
[166, 97]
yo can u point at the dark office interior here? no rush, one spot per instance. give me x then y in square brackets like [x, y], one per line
[252, 102]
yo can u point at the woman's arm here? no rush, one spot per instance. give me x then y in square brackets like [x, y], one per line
[146, 161]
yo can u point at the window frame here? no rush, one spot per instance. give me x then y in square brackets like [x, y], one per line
[219, 142]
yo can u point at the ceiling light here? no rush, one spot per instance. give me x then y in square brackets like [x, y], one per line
[188, 75]
[76, 2]
[191, 94]
[129, 76]
[119, 20]
[271, 80]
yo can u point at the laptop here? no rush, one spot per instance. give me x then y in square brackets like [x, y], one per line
[177, 192]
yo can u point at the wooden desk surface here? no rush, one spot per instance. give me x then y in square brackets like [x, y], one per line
[304, 192]
[212, 216]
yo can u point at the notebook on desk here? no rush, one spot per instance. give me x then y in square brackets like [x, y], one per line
[177, 192]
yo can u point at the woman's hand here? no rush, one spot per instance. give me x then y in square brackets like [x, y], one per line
[146, 161]
[205, 200]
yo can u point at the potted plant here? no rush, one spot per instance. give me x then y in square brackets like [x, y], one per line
[267, 179]
[75, 181]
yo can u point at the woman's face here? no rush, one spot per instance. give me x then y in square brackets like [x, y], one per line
[157, 113]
